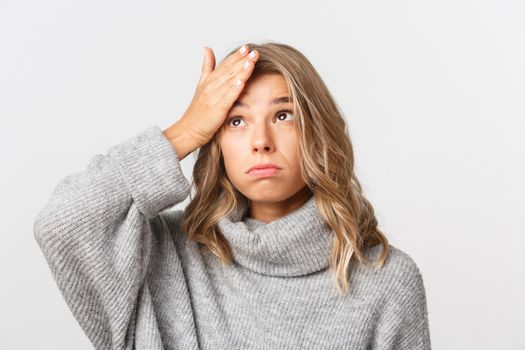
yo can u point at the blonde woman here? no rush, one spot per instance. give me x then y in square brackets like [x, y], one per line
[277, 248]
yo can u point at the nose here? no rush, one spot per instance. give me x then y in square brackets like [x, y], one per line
[262, 141]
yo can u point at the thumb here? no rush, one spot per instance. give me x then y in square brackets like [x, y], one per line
[208, 64]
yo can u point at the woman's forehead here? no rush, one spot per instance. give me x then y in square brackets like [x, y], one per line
[267, 90]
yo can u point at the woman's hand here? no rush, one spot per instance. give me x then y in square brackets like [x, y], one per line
[214, 96]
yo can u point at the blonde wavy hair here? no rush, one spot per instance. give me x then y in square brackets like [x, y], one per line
[327, 165]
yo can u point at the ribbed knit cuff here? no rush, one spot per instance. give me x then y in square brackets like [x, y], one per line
[151, 170]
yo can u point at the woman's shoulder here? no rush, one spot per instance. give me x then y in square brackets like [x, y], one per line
[399, 271]
[397, 293]
[171, 220]
[396, 260]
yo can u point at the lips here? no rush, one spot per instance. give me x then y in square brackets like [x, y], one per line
[263, 166]
[264, 172]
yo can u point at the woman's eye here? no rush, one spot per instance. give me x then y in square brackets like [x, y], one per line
[229, 121]
[285, 112]
[278, 115]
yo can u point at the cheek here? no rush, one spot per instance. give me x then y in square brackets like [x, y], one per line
[231, 153]
[226, 146]
[290, 150]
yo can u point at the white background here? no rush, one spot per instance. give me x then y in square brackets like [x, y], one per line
[433, 93]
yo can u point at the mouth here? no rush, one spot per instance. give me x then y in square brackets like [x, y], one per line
[264, 172]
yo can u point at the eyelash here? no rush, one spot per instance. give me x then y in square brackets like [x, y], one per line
[276, 114]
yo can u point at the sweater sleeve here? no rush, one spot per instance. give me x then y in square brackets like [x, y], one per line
[96, 235]
[405, 324]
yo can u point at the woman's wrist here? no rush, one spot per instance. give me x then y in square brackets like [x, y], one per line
[179, 139]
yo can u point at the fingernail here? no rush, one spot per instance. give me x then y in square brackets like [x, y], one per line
[243, 49]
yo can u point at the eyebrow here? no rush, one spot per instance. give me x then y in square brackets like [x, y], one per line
[275, 101]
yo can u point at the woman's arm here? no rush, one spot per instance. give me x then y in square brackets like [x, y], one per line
[95, 231]
[404, 324]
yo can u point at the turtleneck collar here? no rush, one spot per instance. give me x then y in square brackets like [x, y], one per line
[296, 244]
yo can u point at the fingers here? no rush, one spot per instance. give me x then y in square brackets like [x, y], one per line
[237, 69]
[229, 66]
[208, 64]
[235, 57]
[242, 70]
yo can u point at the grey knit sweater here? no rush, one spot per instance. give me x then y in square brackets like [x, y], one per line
[133, 281]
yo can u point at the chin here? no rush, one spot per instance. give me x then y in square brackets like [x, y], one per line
[269, 198]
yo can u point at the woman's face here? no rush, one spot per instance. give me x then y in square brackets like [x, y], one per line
[260, 128]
